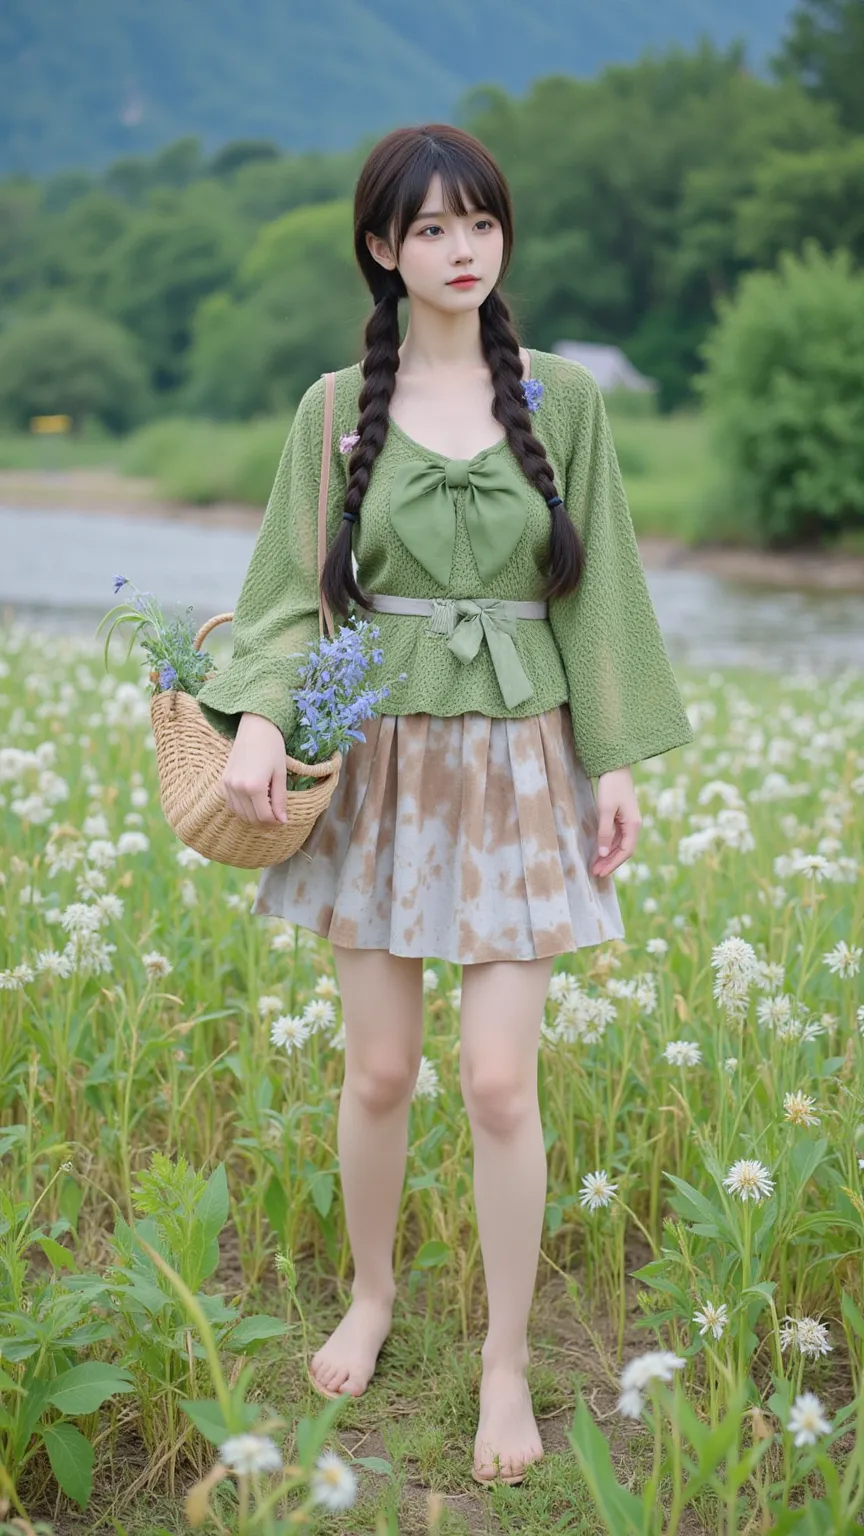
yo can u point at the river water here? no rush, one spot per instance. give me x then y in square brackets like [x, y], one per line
[57, 570]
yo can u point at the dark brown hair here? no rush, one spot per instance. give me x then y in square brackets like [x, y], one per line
[390, 190]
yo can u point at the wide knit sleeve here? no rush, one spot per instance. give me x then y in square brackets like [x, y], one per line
[625, 704]
[277, 609]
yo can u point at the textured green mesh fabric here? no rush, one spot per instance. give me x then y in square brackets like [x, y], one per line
[600, 651]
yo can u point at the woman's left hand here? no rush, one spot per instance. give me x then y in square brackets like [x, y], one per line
[619, 820]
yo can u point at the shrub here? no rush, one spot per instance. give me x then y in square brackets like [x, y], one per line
[74, 363]
[784, 390]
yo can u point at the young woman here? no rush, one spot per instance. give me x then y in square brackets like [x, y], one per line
[476, 485]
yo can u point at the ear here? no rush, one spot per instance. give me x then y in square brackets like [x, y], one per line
[380, 250]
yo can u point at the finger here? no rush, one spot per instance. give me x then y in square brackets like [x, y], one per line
[279, 795]
[605, 831]
[619, 854]
[262, 810]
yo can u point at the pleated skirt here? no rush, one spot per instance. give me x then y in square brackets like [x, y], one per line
[463, 838]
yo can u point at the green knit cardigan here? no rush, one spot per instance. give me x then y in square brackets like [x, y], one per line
[600, 650]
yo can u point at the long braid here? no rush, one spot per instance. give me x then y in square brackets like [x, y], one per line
[501, 350]
[380, 365]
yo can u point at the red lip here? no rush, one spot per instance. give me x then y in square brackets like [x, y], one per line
[462, 282]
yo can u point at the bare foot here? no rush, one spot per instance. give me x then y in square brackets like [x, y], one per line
[507, 1427]
[347, 1360]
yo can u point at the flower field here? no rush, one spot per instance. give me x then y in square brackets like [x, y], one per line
[171, 1238]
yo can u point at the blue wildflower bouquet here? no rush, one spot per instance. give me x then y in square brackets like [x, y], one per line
[191, 755]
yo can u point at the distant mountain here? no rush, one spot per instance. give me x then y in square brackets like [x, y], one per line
[83, 82]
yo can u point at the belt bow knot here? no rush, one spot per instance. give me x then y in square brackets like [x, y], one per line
[479, 618]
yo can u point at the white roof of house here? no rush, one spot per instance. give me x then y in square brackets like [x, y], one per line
[610, 367]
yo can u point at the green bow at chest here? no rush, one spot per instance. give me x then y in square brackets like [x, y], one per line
[423, 512]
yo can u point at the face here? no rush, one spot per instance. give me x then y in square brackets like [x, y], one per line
[441, 246]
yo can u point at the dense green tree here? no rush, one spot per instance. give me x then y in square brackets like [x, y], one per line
[784, 390]
[296, 303]
[174, 254]
[824, 50]
[613, 221]
[22, 231]
[641, 197]
[795, 197]
[73, 363]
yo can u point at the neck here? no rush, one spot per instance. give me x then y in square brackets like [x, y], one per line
[441, 343]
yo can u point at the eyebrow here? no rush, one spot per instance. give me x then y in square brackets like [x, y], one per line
[440, 213]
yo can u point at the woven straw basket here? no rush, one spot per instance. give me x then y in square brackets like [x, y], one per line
[191, 755]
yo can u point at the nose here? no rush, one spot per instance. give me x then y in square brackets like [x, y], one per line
[461, 245]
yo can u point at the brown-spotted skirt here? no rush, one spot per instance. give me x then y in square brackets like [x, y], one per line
[464, 838]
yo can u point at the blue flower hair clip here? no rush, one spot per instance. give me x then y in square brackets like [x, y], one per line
[532, 389]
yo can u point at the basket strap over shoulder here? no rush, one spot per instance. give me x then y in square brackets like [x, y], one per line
[326, 452]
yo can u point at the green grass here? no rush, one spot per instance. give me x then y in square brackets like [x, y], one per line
[101, 1068]
[668, 472]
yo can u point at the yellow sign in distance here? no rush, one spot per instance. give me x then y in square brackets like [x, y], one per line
[50, 423]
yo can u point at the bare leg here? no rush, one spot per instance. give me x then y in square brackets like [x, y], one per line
[502, 1009]
[382, 1005]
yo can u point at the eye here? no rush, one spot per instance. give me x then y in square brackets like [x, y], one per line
[422, 231]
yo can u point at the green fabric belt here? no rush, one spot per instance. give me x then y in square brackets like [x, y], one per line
[492, 617]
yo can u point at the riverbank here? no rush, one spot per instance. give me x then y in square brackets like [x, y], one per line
[105, 491]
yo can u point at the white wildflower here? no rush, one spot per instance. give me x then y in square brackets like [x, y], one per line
[737, 969]
[327, 986]
[713, 1317]
[730, 1064]
[431, 979]
[156, 965]
[289, 1032]
[807, 1335]
[562, 984]
[79, 918]
[188, 857]
[101, 853]
[657, 947]
[284, 939]
[775, 1010]
[16, 979]
[770, 975]
[51, 962]
[333, 1483]
[807, 1419]
[96, 825]
[63, 856]
[132, 842]
[814, 865]
[319, 1014]
[268, 1003]
[798, 1109]
[750, 1180]
[250, 1453]
[597, 1189]
[842, 960]
[656, 1365]
[683, 1053]
[427, 1085]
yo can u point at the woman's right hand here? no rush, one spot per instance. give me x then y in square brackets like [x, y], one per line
[254, 781]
